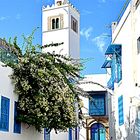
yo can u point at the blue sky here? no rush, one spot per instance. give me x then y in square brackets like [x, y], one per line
[19, 17]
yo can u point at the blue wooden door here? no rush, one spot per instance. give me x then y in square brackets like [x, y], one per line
[98, 132]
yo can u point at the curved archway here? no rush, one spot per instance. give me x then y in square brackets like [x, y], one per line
[98, 132]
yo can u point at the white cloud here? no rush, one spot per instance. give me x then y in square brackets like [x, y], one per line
[18, 16]
[86, 32]
[100, 41]
[86, 12]
[102, 1]
[2, 18]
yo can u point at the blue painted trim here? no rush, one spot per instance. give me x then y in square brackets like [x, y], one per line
[77, 133]
[0, 109]
[17, 125]
[107, 64]
[70, 133]
[120, 110]
[6, 102]
[93, 105]
[46, 135]
[113, 48]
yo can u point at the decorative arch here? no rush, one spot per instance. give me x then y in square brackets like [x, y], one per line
[98, 131]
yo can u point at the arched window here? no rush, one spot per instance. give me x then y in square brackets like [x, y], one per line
[53, 24]
[57, 23]
[98, 132]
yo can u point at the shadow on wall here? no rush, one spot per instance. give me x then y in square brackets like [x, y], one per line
[131, 130]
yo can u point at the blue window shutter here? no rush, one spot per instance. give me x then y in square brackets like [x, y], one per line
[17, 124]
[97, 105]
[120, 110]
[70, 133]
[4, 114]
[46, 134]
[76, 133]
[119, 73]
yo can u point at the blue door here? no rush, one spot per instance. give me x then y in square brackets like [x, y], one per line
[98, 132]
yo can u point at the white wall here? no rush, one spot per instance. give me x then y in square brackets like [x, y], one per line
[126, 33]
[66, 34]
[87, 85]
[6, 90]
[74, 38]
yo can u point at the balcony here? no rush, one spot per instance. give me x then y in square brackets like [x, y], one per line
[97, 105]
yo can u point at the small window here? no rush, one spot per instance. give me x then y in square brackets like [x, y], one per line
[74, 24]
[4, 115]
[138, 45]
[120, 110]
[17, 124]
[55, 23]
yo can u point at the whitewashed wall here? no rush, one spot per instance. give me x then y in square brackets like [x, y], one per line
[6, 90]
[66, 34]
[126, 33]
[87, 85]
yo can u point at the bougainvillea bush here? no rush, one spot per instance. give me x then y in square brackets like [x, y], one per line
[45, 85]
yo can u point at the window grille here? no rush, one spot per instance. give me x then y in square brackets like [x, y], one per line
[97, 105]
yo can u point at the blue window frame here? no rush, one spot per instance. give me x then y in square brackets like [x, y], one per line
[70, 133]
[98, 132]
[120, 110]
[4, 114]
[119, 73]
[46, 134]
[97, 105]
[17, 124]
[76, 133]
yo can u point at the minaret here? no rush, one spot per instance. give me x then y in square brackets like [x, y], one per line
[61, 24]
[60, 2]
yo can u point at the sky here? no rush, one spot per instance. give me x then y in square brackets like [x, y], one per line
[18, 17]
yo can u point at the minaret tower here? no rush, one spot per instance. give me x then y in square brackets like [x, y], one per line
[61, 24]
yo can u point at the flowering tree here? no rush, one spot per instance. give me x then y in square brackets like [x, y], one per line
[47, 97]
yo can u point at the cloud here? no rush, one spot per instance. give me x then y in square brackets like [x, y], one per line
[100, 41]
[2, 18]
[18, 16]
[86, 12]
[102, 1]
[86, 32]
[37, 1]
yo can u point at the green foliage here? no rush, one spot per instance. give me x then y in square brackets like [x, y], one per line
[47, 98]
